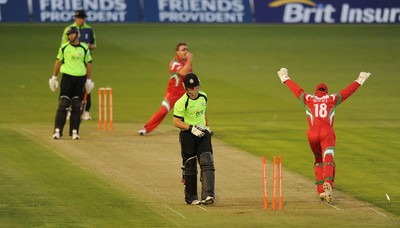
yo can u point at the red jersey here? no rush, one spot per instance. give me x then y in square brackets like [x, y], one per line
[320, 107]
[175, 84]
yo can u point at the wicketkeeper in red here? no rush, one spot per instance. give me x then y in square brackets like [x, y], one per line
[180, 66]
[320, 110]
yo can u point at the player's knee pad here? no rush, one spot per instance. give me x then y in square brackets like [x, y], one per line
[190, 166]
[329, 152]
[206, 161]
[165, 103]
[76, 104]
[63, 103]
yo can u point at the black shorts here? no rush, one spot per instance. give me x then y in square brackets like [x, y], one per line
[72, 86]
[192, 145]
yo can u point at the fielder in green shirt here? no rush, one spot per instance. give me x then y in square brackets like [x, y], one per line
[195, 139]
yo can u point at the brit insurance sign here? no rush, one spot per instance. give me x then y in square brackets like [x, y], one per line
[327, 11]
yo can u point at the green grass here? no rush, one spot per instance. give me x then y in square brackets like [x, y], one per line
[248, 106]
[40, 188]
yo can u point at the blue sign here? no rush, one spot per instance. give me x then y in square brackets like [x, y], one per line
[96, 10]
[197, 11]
[14, 11]
[327, 11]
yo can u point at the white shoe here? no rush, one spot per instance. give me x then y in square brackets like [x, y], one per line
[68, 114]
[195, 202]
[328, 192]
[142, 132]
[56, 134]
[208, 200]
[75, 135]
[86, 115]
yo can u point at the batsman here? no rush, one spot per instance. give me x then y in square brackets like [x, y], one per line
[195, 139]
[320, 110]
[74, 61]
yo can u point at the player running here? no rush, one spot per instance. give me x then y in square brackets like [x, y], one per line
[320, 110]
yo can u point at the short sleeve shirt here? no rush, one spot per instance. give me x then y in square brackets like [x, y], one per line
[192, 112]
[74, 59]
[175, 79]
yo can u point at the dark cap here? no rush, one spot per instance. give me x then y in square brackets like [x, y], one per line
[191, 81]
[72, 29]
[80, 14]
[321, 87]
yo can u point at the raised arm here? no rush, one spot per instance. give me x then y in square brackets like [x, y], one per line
[284, 76]
[350, 89]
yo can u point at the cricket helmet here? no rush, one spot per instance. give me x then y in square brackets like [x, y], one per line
[191, 81]
[321, 88]
[80, 14]
[72, 29]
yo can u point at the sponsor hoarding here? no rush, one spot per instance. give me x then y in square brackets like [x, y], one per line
[97, 10]
[327, 11]
[197, 11]
[14, 11]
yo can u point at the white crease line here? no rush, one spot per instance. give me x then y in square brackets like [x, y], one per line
[174, 211]
[33, 133]
[334, 207]
[202, 208]
[372, 209]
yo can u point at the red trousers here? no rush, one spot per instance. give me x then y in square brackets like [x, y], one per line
[322, 141]
[166, 105]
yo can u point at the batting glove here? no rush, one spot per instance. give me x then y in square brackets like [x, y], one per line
[89, 85]
[283, 75]
[53, 83]
[197, 130]
[363, 77]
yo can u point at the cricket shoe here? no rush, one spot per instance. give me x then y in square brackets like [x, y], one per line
[209, 200]
[195, 202]
[86, 115]
[56, 134]
[322, 196]
[142, 132]
[75, 135]
[328, 192]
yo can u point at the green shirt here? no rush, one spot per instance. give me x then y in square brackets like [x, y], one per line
[191, 111]
[74, 59]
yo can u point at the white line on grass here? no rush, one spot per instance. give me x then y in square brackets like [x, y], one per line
[334, 207]
[372, 209]
[33, 133]
[202, 208]
[174, 211]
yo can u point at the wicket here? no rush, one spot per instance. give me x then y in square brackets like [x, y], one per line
[103, 108]
[276, 173]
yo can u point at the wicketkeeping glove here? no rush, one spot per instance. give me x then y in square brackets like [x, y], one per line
[89, 85]
[197, 130]
[363, 77]
[53, 83]
[283, 75]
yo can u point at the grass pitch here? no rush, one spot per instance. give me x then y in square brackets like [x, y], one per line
[249, 108]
